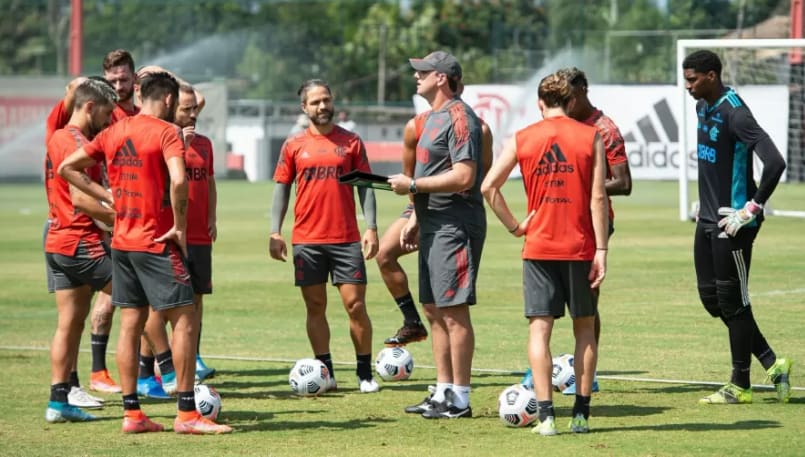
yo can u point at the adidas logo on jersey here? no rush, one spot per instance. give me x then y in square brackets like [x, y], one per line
[127, 156]
[553, 161]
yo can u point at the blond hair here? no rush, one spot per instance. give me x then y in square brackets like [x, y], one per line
[555, 90]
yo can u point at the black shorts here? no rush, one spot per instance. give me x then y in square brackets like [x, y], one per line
[342, 262]
[449, 261]
[143, 278]
[550, 284]
[199, 264]
[89, 266]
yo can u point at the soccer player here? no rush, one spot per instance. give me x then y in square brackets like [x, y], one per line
[77, 259]
[145, 157]
[202, 204]
[565, 250]
[730, 217]
[325, 235]
[619, 177]
[391, 249]
[452, 227]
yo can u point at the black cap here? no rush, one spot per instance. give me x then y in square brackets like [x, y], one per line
[440, 61]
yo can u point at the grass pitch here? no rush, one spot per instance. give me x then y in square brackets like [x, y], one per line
[653, 328]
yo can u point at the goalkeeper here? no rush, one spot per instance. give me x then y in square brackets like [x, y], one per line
[730, 216]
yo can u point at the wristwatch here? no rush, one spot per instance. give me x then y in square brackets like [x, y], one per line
[412, 186]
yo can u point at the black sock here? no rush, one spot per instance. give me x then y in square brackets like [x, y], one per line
[165, 362]
[740, 332]
[58, 392]
[582, 406]
[364, 370]
[408, 309]
[187, 401]
[327, 360]
[74, 379]
[760, 347]
[545, 409]
[146, 366]
[98, 344]
[131, 402]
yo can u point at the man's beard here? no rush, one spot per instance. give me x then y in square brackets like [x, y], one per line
[323, 118]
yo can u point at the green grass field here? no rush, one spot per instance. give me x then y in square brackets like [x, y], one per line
[654, 328]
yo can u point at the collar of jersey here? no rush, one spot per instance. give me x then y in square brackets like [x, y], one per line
[727, 92]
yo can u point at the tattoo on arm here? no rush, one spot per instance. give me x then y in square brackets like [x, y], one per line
[87, 180]
[182, 206]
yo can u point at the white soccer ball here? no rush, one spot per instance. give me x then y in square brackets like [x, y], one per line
[517, 406]
[208, 401]
[309, 377]
[563, 375]
[394, 364]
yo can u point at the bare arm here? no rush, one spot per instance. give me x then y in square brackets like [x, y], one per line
[460, 178]
[72, 170]
[621, 181]
[599, 208]
[276, 244]
[487, 143]
[91, 207]
[494, 180]
[178, 196]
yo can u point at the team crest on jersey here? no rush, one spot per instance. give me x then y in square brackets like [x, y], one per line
[340, 151]
[714, 131]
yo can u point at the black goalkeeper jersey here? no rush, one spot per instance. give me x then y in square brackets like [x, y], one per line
[727, 134]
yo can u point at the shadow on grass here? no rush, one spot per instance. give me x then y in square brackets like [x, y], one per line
[624, 410]
[251, 421]
[621, 372]
[695, 427]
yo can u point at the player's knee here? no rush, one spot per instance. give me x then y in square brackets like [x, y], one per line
[385, 257]
[709, 298]
[730, 298]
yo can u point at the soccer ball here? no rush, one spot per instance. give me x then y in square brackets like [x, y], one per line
[100, 224]
[517, 406]
[208, 401]
[394, 364]
[309, 377]
[563, 375]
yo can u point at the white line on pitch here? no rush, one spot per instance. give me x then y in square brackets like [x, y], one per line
[479, 370]
[779, 292]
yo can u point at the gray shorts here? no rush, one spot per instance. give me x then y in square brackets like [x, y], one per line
[143, 278]
[314, 262]
[448, 267]
[199, 263]
[90, 266]
[406, 214]
[550, 284]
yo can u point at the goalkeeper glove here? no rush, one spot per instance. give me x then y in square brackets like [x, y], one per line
[737, 218]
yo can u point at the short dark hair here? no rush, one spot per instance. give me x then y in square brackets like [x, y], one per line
[117, 58]
[96, 90]
[703, 61]
[575, 77]
[157, 85]
[310, 83]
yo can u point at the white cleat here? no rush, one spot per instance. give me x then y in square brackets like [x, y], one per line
[80, 398]
[368, 386]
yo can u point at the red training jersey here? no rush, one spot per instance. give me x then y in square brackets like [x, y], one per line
[614, 145]
[324, 212]
[136, 150]
[198, 164]
[120, 113]
[68, 226]
[57, 119]
[556, 160]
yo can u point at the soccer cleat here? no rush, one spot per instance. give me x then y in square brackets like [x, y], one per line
[80, 398]
[65, 412]
[571, 389]
[199, 425]
[202, 370]
[447, 409]
[169, 383]
[100, 381]
[579, 424]
[151, 388]
[528, 380]
[408, 333]
[779, 374]
[140, 423]
[368, 386]
[546, 427]
[424, 405]
[730, 394]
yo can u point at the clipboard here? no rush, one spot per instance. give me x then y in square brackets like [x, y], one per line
[363, 179]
